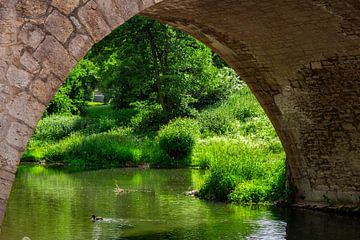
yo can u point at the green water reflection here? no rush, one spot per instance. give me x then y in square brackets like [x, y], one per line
[51, 204]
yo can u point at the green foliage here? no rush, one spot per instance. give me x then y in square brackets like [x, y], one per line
[56, 127]
[238, 161]
[112, 149]
[250, 192]
[149, 117]
[213, 123]
[76, 91]
[145, 60]
[177, 140]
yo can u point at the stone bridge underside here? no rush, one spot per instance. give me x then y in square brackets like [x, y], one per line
[300, 58]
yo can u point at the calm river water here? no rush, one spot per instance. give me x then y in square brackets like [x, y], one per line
[50, 204]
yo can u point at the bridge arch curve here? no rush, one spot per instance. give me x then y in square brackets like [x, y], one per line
[301, 59]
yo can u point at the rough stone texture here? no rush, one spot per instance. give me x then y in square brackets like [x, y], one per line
[79, 46]
[18, 77]
[92, 18]
[55, 57]
[29, 62]
[31, 35]
[66, 6]
[17, 135]
[110, 12]
[32, 8]
[25, 108]
[59, 26]
[301, 59]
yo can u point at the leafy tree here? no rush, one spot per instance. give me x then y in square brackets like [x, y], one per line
[77, 89]
[145, 60]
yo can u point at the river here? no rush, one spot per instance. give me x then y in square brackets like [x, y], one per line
[53, 204]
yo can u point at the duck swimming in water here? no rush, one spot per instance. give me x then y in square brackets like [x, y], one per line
[95, 218]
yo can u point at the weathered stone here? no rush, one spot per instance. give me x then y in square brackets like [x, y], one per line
[3, 69]
[29, 62]
[91, 17]
[110, 12]
[4, 125]
[80, 45]
[40, 91]
[18, 135]
[8, 154]
[66, 6]
[54, 56]
[77, 24]
[127, 8]
[18, 77]
[315, 65]
[31, 35]
[8, 31]
[59, 26]
[32, 8]
[26, 108]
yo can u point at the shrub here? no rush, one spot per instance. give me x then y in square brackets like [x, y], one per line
[250, 192]
[215, 123]
[177, 140]
[56, 127]
[112, 149]
[149, 117]
[235, 161]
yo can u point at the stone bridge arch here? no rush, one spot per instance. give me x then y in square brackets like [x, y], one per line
[301, 59]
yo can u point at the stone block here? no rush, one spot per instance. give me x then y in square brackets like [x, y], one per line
[110, 12]
[80, 45]
[146, 3]
[8, 155]
[55, 57]
[25, 108]
[41, 91]
[4, 125]
[18, 135]
[127, 8]
[66, 6]
[8, 31]
[31, 35]
[59, 26]
[18, 77]
[29, 62]
[91, 17]
[315, 65]
[32, 8]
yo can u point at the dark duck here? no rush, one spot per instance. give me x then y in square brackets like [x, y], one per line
[95, 218]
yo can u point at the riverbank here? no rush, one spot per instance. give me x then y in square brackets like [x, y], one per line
[233, 140]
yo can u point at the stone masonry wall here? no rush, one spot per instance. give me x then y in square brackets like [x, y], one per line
[300, 58]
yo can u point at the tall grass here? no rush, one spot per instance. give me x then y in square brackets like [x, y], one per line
[233, 140]
[240, 149]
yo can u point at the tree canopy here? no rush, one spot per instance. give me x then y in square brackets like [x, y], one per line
[147, 63]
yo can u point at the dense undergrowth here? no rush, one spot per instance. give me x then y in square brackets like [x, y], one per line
[233, 139]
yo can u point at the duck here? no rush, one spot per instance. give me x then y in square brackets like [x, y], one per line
[95, 218]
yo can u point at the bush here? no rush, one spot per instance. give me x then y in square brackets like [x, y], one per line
[235, 161]
[177, 140]
[56, 127]
[112, 149]
[149, 117]
[250, 192]
[215, 123]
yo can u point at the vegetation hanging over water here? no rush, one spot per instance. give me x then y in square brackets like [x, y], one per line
[173, 103]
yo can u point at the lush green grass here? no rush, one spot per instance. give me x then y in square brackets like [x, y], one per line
[233, 140]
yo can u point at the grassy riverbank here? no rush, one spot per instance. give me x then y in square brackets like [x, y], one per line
[234, 140]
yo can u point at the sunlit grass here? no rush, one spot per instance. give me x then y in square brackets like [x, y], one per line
[233, 140]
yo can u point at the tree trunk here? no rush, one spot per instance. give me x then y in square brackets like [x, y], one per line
[157, 70]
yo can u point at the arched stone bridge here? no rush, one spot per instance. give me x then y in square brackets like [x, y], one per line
[300, 58]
